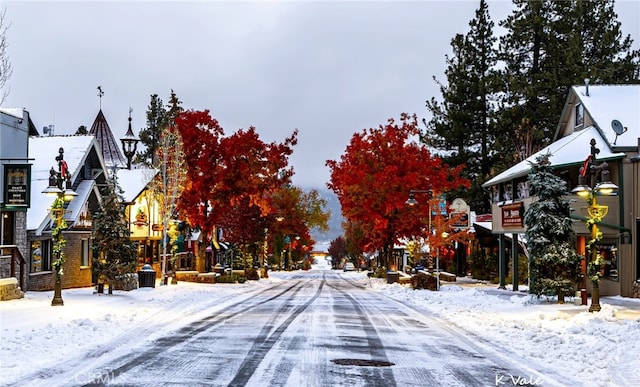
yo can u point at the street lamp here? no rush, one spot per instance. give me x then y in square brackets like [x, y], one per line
[444, 235]
[596, 213]
[64, 193]
[129, 143]
[412, 200]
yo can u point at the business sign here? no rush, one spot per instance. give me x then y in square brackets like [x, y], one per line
[513, 215]
[16, 185]
[460, 213]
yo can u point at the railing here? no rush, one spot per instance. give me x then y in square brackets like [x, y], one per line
[15, 256]
[181, 261]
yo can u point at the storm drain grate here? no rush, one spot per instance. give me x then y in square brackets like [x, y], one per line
[362, 362]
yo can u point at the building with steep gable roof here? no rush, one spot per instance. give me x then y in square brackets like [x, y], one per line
[589, 114]
[111, 152]
[88, 172]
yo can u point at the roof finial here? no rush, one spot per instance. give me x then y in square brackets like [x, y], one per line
[130, 111]
[100, 94]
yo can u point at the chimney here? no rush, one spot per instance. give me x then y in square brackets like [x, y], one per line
[586, 86]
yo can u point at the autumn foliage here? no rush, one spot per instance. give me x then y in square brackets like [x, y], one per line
[232, 180]
[373, 178]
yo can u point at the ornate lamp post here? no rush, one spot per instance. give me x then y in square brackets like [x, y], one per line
[64, 194]
[596, 214]
[129, 143]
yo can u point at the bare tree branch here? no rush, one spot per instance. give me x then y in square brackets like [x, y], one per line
[5, 64]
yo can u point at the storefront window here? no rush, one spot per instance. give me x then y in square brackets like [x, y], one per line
[609, 254]
[41, 255]
[148, 252]
[84, 253]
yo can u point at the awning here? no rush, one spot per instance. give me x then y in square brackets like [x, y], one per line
[487, 227]
[569, 150]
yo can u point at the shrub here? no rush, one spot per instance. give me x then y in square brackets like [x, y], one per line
[230, 279]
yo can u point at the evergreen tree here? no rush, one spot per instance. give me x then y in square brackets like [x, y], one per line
[462, 124]
[82, 130]
[150, 136]
[553, 260]
[174, 109]
[114, 254]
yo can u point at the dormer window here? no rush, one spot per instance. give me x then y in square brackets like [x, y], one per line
[579, 115]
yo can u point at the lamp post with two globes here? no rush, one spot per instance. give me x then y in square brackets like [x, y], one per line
[596, 213]
[59, 185]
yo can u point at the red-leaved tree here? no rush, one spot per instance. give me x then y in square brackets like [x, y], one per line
[373, 177]
[231, 179]
[201, 136]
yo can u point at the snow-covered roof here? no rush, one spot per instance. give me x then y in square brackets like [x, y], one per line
[569, 150]
[134, 181]
[15, 112]
[606, 103]
[43, 151]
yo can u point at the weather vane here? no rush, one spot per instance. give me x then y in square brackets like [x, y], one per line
[100, 94]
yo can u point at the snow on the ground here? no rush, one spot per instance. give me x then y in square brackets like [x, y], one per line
[600, 349]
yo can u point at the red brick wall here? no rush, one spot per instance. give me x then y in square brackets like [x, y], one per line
[74, 276]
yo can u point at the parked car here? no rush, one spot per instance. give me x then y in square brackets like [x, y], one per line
[348, 267]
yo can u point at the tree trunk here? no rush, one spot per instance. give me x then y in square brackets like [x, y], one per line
[560, 294]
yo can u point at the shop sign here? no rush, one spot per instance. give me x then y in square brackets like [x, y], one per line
[460, 214]
[16, 185]
[513, 215]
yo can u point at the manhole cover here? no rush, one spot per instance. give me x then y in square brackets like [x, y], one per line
[362, 362]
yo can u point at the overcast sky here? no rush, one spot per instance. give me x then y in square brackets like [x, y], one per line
[328, 69]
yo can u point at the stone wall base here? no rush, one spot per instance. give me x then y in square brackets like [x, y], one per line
[9, 289]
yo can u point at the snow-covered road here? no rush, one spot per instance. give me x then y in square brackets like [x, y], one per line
[316, 328]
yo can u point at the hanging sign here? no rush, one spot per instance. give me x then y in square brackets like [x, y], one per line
[16, 185]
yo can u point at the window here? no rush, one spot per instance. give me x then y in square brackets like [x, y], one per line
[579, 115]
[41, 255]
[84, 253]
[609, 254]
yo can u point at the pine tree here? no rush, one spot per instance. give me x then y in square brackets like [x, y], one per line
[150, 136]
[462, 124]
[174, 109]
[554, 262]
[114, 254]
